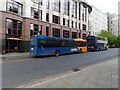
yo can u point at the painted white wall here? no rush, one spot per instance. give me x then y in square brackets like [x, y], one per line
[97, 21]
[3, 5]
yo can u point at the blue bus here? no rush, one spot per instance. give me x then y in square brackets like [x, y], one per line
[46, 45]
[96, 43]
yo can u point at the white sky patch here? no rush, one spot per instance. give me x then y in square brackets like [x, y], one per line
[105, 5]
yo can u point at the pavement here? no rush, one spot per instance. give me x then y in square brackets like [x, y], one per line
[100, 75]
[15, 55]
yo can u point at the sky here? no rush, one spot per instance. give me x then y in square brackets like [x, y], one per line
[105, 5]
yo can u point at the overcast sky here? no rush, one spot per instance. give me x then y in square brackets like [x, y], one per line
[105, 5]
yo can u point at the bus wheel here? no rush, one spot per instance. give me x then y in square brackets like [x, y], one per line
[57, 53]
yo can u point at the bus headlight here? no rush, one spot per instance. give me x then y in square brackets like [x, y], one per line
[32, 48]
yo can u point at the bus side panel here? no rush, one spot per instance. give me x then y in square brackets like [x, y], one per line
[67, 50]
[51, 51]
[45, 51]
[84, 49]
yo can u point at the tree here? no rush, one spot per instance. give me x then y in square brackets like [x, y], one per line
[119, 41]
[112, 39]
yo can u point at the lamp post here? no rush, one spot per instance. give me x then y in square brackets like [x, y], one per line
[38, 16]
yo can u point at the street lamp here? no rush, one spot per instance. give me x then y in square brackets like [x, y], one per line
[39, 3]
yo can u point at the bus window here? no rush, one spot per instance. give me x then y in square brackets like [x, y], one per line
[57, 43]
[82, 44]
[50, 43]
[32, 40]
[42, 43]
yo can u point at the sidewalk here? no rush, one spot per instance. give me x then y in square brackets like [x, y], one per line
[100, 75]
[15, 55]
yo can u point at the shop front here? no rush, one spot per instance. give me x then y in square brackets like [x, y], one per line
[13, 44]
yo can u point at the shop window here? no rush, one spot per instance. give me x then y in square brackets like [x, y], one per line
[13, 28]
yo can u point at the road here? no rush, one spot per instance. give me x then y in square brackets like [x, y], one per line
[20, 72]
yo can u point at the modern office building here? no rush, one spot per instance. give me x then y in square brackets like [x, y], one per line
[22, 18]
[97, 21]
[113, 23]
[119, 18]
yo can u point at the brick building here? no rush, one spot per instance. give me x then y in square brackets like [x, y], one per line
[22, 18]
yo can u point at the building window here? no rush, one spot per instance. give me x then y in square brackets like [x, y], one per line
[56, 5]
[66, 7]
[40, 29]
[72, 24]
[79, 35]
[47, 4]
[65, 22]
[74, 9]
[84, 27]
[36, 14]
[37, 2]
[47, 31]
[56, 19]
[79, 25]
[47, 17]
[56, 32]
[35, 30]
[74, 34]
[13, 28]
[65, 34]
[84, 14]
[15, 7]
[84, 36]
[79, 11]
[75, 24]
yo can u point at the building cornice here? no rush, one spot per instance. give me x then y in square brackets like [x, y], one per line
[89, 7]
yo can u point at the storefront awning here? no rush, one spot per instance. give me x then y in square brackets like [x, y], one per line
[14, 38]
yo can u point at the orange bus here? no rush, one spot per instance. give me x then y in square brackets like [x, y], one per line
[82, 44]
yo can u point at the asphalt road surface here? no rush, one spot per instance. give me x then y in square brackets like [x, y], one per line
[23, 71]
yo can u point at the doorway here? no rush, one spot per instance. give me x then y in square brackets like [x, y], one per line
[12, 45]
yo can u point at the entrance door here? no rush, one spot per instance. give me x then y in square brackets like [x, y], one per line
[12, 45]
